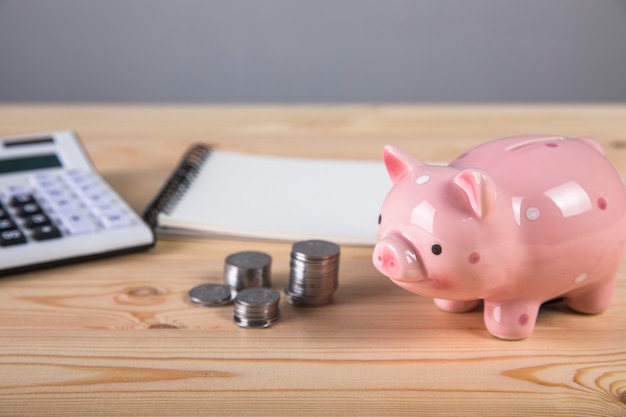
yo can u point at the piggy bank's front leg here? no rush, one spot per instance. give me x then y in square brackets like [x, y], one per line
[510, 320]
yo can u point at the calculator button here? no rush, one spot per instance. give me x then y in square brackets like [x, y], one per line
[45, 232]
[21, 199]
[81, 180]
[7, 224]
[4, 214]
[115, 220]
[90, 191]
[75, 174]
[63, 204]
[12, 237]
[28, 209]
[104, 208]
[54, 192]
[96, 197]
[18, 189]
[37, 220]
[77, 223]
[49, 186]
[44, 180]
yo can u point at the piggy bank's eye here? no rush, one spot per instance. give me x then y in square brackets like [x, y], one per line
[380, 218]
[436, 249]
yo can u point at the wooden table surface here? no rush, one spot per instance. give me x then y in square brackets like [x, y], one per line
[119, 337]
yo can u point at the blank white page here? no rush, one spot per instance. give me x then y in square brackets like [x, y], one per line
[267, 197]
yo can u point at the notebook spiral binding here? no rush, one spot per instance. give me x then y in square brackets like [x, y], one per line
[177, 184]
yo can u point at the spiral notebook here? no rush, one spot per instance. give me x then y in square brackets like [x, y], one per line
[216, 193]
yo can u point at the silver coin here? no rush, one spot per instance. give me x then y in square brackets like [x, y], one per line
[258, 296]
[249, 260]
[247, 269]
[314, 270]
[300, 299]
[244, 322]
[211, 295]
[257, 307]
[307, 250]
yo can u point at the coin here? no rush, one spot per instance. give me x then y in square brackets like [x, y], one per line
[211, 295]
[257, 307]
[314, 250]
[247, 269]
[314, 270]
[258, 296]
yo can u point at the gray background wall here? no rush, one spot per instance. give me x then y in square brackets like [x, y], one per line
[313, 51]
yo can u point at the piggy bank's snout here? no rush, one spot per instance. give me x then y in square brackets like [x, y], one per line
[396, 259]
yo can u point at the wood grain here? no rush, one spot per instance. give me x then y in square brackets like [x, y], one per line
[120, 337]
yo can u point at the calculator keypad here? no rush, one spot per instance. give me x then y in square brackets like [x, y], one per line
[10, 234]
[52, 206]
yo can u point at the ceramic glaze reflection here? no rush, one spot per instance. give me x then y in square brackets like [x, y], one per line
[571, 198]
[423, 216]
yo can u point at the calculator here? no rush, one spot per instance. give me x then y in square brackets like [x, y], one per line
[55, 208]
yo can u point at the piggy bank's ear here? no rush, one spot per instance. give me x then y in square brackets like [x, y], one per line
[478, 190]
[399, 162]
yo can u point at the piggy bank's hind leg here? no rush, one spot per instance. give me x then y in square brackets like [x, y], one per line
[592, 299]
[510, 320]
[452, 306]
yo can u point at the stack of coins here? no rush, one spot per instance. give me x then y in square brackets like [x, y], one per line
[257, 307]
[209, 295]
[314, 272]
[247, 269]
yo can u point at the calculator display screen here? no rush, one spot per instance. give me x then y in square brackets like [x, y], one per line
[28, 163]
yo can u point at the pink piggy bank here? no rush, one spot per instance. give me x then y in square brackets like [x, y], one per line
[514, 222]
